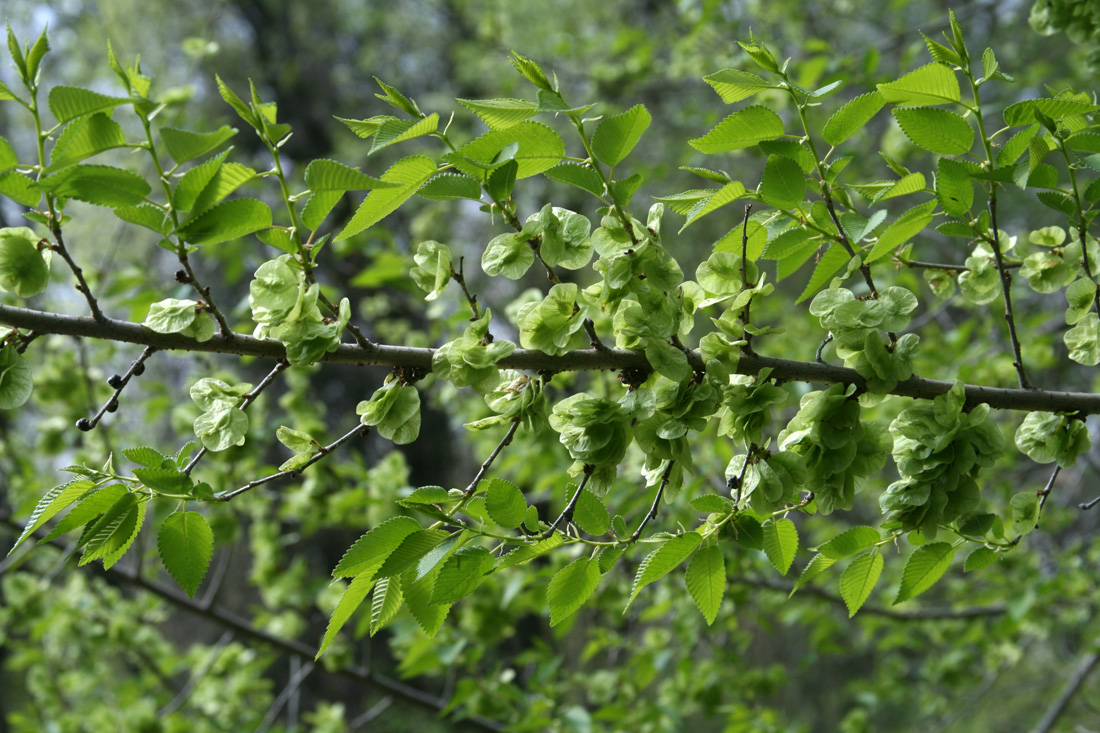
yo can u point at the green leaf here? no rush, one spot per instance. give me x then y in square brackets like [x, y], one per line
[780, 542]
[617, 135]
[852, 117]
[227, 221]
[461, 574]
[451, 186]
[817, 565]
[850, 542]
[418, 599]
[1025, 512]
[935, 130]
[67, 103]
[934, 83]
[925, 566]
[412, 548]
[1016, 146]
[576, 174]
[184, 145]
[571, 587]
[23, 270]
[954, 187]
[663, 560]
[395, 98]
[186, 544]
[349, 602]
[531, 71]
[372, 549]
[740, 130]
[56, 500]
[394, 130]
[385, 603]
[101, 185]
[411, 173]
[591, 515]
[329, 175]
[832, 260]
[981, 558]
[148, 216]
[904, 228]
[706, 581]
[526, 553]
[783, 184]
[500, 114]
[539, 148]
[113, 533]
[508, 255]
[858, 580]
[90, 505]
[505, 503]
[719, 197]
[733, 85]
[1029, 110]
[84, 138]
[20, 188]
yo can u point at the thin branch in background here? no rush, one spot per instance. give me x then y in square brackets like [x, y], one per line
[652, 513]
[567, 513]
[324, 451]
[119, 383]
[1045, 493]
[372, 714]
[1090, 504]
[504, 442]
[297, 677]
[459, 277]
[1006, 282]
[248, 400]
[187, 274]
[217, 577]
[747, 347]
[81, 283]
[1073, 684]
[197, 676]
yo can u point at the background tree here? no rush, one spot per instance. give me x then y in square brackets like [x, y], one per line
[657, 666]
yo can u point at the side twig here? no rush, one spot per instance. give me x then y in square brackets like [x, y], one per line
[119, 383]
[567, 513]
[504, 442]
[81, 283]
[1006, 282]
[652, 513]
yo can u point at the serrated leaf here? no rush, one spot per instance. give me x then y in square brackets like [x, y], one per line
[780, 542]
[617, 135]
[505, 503]
[539, 148]
[317, 208]
[101, 185]
[925, 566]
[981, 558]
[740, 130]
[859, 579]
[817, 565]
[330, 175]
[576, 174]
[184, 145]
[410, 551]
[225, 180]
[55, 500]
[1028, 111]
[20, 188]
[418, 595]
[385, 603]
[718, 198]
[461, 574]
[591, 515]
[954, 188]
[84, 138]
[500, 114]
[227, 221]
[349, 602]
[570, 588]
[527, 553]
[935, 130]
[663, 560]
[852, 117]
[374, 546]
[145, 456]
[395, 131]
[933, 83]
[783, 184]
[1016, 146]
[68, 103]
[712, 504]
[451, 186]
[850, 542]
[90, 505]
[733, 85]
[904, 228]
[186, 544]
[148, 216]
[706, 581]
[827, 265]
[114, 532]
[411, 173]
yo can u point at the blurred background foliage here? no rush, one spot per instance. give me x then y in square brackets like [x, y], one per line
[85, 651]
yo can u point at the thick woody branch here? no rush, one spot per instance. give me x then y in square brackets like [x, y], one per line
[787, 370]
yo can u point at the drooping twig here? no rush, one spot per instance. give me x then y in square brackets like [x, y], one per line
[1006, 282]
[460, 278]
[324, 451]
[248, 400]
[790, 370]
[567, 513]
[81, 283]
[119, 383]
[652, 513]
[504, 442]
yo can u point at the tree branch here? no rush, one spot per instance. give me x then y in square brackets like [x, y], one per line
[1073, 684]
[787, 370]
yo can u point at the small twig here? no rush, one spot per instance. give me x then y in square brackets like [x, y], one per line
[119, 383]
[1006, 282]
[1073, 684]
[296, 679]
[324, 451]
[1045, 493]
[82, 284]
[1081, 235]
[747, 346]
[1090, 504]
[356, 333]
[652, 513]
[738, 481]
[567, 513]
[248, 400]
[821, 348]
[504, 442]
[460, 278]
[593, 337]
[376, 710]
[211, 307]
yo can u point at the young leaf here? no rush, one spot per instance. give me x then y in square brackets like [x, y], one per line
[858, 580]
[933, 84]
[114, 532]
[539, 148]
[349, 602]
[850, 119]
[740, 130]
[84, 138]
[184, 145]
[576, 174]
[101, 185]
[410, 173]
[849, 542]
[418, 599]
[227, 221]
[617, 135]
[907, 226]
[663, 560]
[384, 603]
[374, 547]
[780, 542]
[591, 515]
[817, 565]
[783, 184]
[571, 587]
[56, 500]
[461, 574]
[186, 544]
[526, 553]
[935, 130]
[981, 558]
[499, 114]
[505, 503]
[412, 548]
[925, 566]
[733, 85]
[91, 504]
[68, 103]
[706, 581]
[329, 175]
